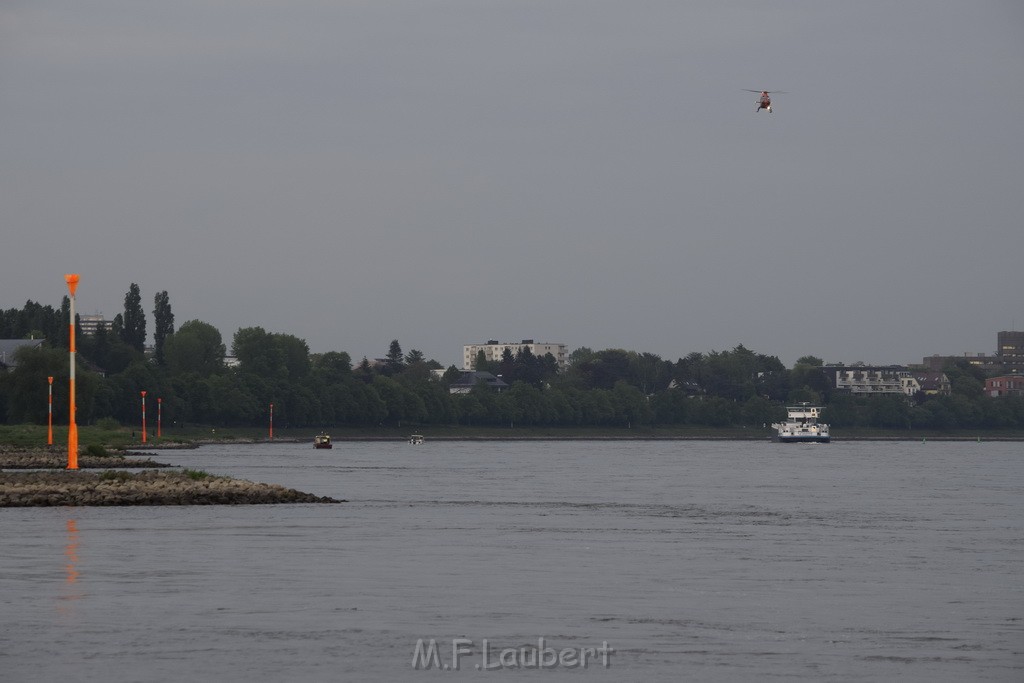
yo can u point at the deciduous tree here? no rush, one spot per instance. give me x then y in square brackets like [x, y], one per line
[195, 348]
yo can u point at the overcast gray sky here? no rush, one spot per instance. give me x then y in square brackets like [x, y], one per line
[579, 171]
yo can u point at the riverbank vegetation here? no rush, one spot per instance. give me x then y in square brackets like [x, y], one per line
[193, 394]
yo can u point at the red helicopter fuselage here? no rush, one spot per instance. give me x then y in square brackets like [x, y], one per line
[765, 101]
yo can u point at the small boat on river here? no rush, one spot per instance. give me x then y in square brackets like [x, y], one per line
[416, 439]
[322, 440]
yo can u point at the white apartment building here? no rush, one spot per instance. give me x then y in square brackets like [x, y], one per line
[90, 323]
[863, 379]
[493, 350]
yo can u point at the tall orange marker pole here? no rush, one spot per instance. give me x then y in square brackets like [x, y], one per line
[159, 415]
[72, 280]
[49, 415]
[143, 416]
[271, 421]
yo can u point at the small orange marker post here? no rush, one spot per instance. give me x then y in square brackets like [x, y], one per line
[72, 281]
[271, 421]
[143, 416]
[49, 415]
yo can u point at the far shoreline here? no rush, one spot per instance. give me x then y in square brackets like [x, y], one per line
[143, 449]
[124, 440]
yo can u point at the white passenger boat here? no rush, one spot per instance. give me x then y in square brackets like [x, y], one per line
[802, 426]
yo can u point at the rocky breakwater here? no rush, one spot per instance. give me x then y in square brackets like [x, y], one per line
[114, 487]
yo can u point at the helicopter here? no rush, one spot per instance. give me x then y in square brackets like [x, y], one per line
[766, 101]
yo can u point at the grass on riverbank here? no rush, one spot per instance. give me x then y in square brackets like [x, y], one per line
[29, 436]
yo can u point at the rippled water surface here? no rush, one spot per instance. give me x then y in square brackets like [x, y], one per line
[704, 561]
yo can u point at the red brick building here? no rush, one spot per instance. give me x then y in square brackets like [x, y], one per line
[1005, 385]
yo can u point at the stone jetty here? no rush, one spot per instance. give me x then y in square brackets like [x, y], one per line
[38, 479]
[156, 487]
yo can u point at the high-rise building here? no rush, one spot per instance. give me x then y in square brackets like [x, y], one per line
[1010, 349]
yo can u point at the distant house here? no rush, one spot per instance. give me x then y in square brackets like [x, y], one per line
[933, 383]
[8, 348]
[469, 379]
[1005, 385]
[691, 389]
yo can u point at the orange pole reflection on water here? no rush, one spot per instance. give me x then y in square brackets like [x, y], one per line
[72, 591]
[71, 551]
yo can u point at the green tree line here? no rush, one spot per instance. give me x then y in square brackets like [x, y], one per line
[606, 388]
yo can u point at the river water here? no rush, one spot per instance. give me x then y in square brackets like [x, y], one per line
[645, 560]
